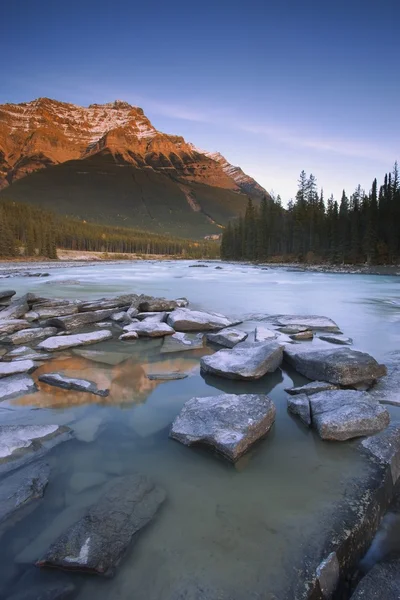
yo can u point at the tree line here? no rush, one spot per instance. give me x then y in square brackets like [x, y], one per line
[362, 228]
[30, 231]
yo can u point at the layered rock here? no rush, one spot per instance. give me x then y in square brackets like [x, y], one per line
[244, 361]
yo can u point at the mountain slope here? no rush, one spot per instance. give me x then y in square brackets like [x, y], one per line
[107, 163]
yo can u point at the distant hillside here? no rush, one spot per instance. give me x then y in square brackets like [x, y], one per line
[108, 164]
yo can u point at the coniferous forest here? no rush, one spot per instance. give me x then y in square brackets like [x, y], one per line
[29, 231]
[361, 228]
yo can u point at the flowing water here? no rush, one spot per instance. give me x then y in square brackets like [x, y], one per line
[241, 529]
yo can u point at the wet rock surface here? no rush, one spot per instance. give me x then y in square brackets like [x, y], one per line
[245, 361]
[16, 309]
[16, 385]
[341, 340]
[227, 337]
[166, 376]
[311, 388]
[387, 389]
[12, 325]
[71, 383]
[80, 319]
[53, 344]
[39, 585]
[26, 336]
[228, 423]
[300, 406]
[381, 583]
[16, 367]
[181, 342]
[158, 305]
[313, 322]
[22, 487]
[263, 334]
[184, 319]
[148, 328]
[99, 540]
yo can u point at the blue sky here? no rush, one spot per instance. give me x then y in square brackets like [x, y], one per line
[275, 87]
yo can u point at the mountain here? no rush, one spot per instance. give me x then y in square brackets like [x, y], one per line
[107, 163]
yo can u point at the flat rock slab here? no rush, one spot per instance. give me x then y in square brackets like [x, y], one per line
[15, 310]
[381, 583]
[12, 325]
[105, 303]
[16, 367]
[149, 329]
[385, 446]
[47, 312]
[129, 335]
[80, 319]
[158, 317]
[184, 319]
[17, 385]
[16, 438]
[227, 337]
[26, 336]
[342, 340]
[25, 353]
[263, 334]
[22, 487]
[181, 342]
[300, 406]
[302, 335]
[341, 366]
[311, 388]
[70, 383]
[55, 343]
[245, 361]
[387, 389]
[229, 423]
[166, 376]
[316, 323]
[99, 540]
[345, 414]
[158, 305]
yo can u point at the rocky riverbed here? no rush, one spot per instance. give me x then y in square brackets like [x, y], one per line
[57, 353]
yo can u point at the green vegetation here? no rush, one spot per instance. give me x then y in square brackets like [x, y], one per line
[100, 190]
[40, 232]
[362, 229]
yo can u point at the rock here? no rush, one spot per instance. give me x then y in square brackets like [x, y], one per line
[182, 302]
[184, 319]
[342, 366]
[149, 329]
[385, 447]
[198, 266]
[70, 383]
[21, 487]
[80, 319]
[87, 429]
[313, 322]
[302, 335]
[263, 334]
[158, 305]
[328, 575]
[25, 353]
[105, 357]
[55, 343]
[132, 312]
[291, 329]
[300, 406]
[31, 316]
[158, 317]
[229, 423]
[228, 337]
[381, 583]
[345, 414]
[181, 342]
[245, 361]
[103, 324]
[336, 339]
[81, 481]
[15, 440]
[311, 388]
[46, 312]
[130, 335]
[16, 367]
[15, 310]
[40, 302]
[16, 385]
[387, 389]
[166, 376]
[99, 540]
[6, 295]
[31, 335]
[105, 303]
[120, 317]
[11, 325]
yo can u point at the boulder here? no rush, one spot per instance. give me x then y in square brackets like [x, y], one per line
[22, 487]
[120, 317]
[341, 366]
[31, 316]
[158, 305]
[245, 361]
[55, 343]
[345, 414]
[132, 312]
[31, 335]
[311, 388]
[149, 329]
[316, 323]
[80, 319]
[12, 325]
[16, 385]
[300, 406]
[263, 334]
[292, 329]
[342, 340]
[159, 317]
[227, 337]
[184, 319]
[15, 310]
[16, 367]
[387, 389]
[182, 302]
[70, 383]
[99, 540]
[229, 423]
[382, 582]
[6, 295]
[104, 303]
[166, 376]
[46, 312]
[181, 342]
[130, 335]
[25, 353]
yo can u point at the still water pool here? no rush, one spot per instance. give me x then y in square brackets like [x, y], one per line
[242, 530]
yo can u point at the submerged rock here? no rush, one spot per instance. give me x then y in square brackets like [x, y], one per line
[345, 414]
[55, 343]
[341, 366]
[71, 383]
[158, 317]
[184, 319]
[80, 319]
[228, 423]
[16, 367]
[181, 342]
[311, 388]
[40, 585]
[172, 376]
[300, 406]
[316, 323]
[149, 329]
[20, 488]
[245, 361]
[31, 335]
[12, 325]
[16, 385]
[342, 340]
[227, 337]
[99, 540]
[381, 583]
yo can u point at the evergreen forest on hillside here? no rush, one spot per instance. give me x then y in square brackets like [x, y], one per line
[37, 232]
[362, 228]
